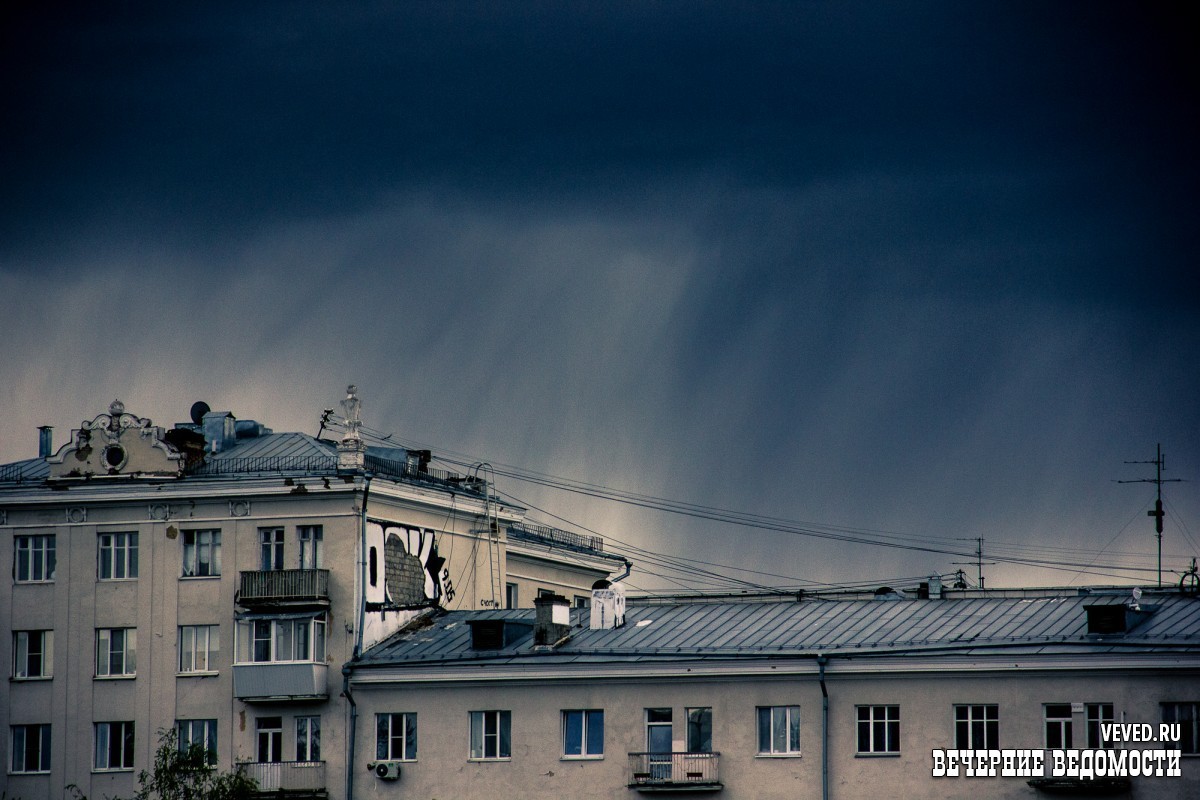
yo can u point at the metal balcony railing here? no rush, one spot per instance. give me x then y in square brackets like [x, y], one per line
[269, 587]
[673, 771]
[300, 777]
[542, 534]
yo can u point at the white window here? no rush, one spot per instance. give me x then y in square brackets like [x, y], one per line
[200, 733]
[270, 548]
[116, 652]
[199, 648]
[878, 729]
[33, 654]
[396, 737]
[114, 746]
[1058, 726]
[270, 739]
[30, 748]
[976, 727]
[779, 730]
[34, 558]
[308, 738]
[201, 553]
[1098, 714]
[583, 733]
[699, 730]
[510, 595]
[269, 640]
[491, 734]
[118, 556]
[1187, 716]
[311, 537]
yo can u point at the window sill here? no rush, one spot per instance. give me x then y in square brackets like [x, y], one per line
[197, 673]
[489, 760]
[114, 677]
[29, 679]
[199, 577]
[582, 758]
[876, 755]
[21, 774]
[33, 583]
[117, 580]
[778, 755]
[110, 770]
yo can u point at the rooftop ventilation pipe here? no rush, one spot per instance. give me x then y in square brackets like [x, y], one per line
[608, 606]
[552, 620]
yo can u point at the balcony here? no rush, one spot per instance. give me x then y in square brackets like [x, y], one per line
[675, 772]
[273, 682]
[284, 587]
[294, 779]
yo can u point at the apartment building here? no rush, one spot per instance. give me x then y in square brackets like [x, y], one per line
[213, 577]
[839, 698]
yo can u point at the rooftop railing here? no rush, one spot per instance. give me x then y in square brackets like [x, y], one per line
[554, 537]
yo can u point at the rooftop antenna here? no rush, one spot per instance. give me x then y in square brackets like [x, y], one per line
[1159, 465]
[324, 421]
[978, 562]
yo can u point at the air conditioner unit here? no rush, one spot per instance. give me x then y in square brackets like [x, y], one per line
[385, 770]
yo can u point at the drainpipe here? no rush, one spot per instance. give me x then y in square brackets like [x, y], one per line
[353, 730]
[625, 574]
[821, 661]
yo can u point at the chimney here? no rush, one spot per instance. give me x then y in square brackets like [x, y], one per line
[220, 432]
[45, 440]
[608, 606]
[552, 619]
[935, 587]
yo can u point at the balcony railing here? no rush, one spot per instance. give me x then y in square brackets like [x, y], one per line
[674, 771]
[284, 586]
[288, 777]
[269, 681]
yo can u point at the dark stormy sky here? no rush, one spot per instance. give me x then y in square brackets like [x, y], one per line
[913, 272]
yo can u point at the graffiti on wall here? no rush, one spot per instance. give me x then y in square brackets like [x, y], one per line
[414, 575]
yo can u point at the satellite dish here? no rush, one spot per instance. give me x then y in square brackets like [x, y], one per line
[199, 409]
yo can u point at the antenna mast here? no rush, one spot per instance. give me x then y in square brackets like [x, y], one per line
[1158, 480]
[978, 562]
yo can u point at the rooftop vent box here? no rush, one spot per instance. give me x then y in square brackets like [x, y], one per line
[497, 634]
[1113, 619]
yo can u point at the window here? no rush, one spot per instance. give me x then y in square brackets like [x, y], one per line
[658, 742]
[581, 601]
[396, 736]
[1098, 714]
[491, 734]
[270, 739]
[699, 730]
[878, 730]
[118, 556]
[30, 748]
[34, 558]
[311, 537]
[1187, 716]
[116, 652]
[199, 647]
[583, 733]
[545, 592]
[977, 727]
[779, 730]
[373, 568]
[201, 733]
[308, 738]
[265, 640]
[510, 595]
[33, 654]
[201, 554]
[114, 745]
[1058, 726]
[271, 548]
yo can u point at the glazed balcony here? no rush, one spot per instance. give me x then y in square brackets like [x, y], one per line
[284, 587]
[281, 681]
[675, 772]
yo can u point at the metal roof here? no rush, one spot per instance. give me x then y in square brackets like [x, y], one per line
[1170, 622]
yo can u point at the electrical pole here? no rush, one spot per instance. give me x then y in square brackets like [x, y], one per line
[1158, 480]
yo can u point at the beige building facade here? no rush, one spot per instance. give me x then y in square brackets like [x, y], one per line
[214, 578]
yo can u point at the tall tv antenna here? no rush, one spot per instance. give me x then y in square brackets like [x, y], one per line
[978, 562]
[1158, 480]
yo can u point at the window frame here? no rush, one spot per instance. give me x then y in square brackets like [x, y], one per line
[501, 736]
[989, 718]
[194, 543]
[312, 544]
[42, 733]
[891, 745]
[35, 555]
[1192, 725]
[122, 556]
[1096, 715]
[22, 650]
[385, 736]
[268, 730]
[1064, 724]
[308, 738]
[314, 640]
[211, 649]
[789, 713]
[128, 653]
[127, 743]
[207, 737]
[511, 595]
[588, 718]
[270, 549]
[699, 721]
